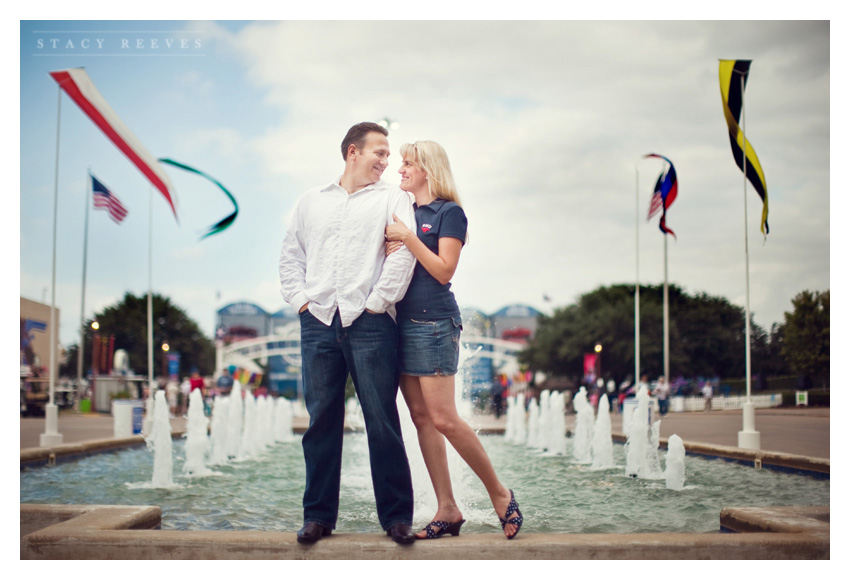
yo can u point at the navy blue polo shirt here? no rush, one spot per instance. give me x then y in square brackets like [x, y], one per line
[426, 298]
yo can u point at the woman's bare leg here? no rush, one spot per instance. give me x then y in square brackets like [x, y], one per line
[433, 447]
[438, 394]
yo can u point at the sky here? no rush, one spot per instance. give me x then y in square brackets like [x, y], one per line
[546, 124]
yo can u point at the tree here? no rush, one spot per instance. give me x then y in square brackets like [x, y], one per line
[805, 344]
[706, 335]
[768, 360]
[127, 323]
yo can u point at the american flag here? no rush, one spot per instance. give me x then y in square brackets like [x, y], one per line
[104, 199]
[666, 190]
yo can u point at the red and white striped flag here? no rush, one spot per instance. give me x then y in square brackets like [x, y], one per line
[77, 84]
[105, 199]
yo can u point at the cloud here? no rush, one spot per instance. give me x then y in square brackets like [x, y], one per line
[545, 124]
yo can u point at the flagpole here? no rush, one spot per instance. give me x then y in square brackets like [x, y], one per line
[666, 319]
[81, 349]
[151, 387]
[51, 435]
[748, 437]
[637, 276]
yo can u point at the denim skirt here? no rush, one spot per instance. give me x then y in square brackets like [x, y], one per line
[429, 347]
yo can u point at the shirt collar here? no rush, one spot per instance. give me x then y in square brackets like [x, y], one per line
[434, 205]
[335, 185]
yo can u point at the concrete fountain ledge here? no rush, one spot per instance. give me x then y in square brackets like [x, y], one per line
[98, 532]
[785, 462]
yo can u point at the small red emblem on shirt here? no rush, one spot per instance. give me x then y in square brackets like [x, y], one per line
[425, 228]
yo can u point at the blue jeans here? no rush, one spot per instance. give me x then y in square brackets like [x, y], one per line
[368, 349]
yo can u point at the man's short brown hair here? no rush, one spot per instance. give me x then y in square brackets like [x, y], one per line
[357, 136]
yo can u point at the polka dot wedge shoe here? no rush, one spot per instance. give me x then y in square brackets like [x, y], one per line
[442, 528]
[513, 507]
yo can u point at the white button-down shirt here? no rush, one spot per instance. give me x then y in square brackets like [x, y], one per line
[333, 256]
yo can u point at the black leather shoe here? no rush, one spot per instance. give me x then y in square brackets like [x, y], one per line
[312, 533]
[401, 534]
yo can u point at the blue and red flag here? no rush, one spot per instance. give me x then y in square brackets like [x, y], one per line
[666, 190]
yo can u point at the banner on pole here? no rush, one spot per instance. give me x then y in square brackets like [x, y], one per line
[733, 81]
[79, 87]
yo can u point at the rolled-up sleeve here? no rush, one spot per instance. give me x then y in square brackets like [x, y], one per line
[398, 267]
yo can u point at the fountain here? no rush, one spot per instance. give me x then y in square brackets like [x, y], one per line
[159, 442]
[533, 423]
[283, 420]
[219, 431]
[510, 419]
[235, 417]
[602, 446]
[266, 493]
[520, 430]
[674, 470]
[642, 443]
[542, 438]
[354, 414]
[556, 443]
[266, 422]
[197, 440]
[249, 447]
[584, 427]
[263, 491]
[267, 406]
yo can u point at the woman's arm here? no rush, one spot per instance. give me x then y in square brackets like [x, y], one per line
[441, 266]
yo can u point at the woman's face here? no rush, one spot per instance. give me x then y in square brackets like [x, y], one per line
[413, 177]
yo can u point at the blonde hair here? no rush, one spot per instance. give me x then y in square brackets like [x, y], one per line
[432, 158]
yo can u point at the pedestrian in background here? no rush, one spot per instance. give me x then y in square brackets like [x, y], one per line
[662, 393]
[707, 393]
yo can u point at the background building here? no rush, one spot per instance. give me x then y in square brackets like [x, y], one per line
[244, 320]
[241, 320]
[515, 322]
[284, 376]
[35, 339]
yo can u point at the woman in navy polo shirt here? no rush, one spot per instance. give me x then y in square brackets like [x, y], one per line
[429, 324]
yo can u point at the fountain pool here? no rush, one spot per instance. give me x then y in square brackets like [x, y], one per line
[556, 494]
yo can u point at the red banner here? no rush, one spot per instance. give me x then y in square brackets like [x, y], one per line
[590, 364]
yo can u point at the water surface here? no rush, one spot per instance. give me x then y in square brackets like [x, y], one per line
[555, 494]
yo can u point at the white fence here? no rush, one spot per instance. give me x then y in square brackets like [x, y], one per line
[680, 404]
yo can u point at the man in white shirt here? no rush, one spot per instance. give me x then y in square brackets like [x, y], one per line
[707, 393]
[335, 273]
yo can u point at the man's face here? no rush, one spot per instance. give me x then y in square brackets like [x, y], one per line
[371, 161]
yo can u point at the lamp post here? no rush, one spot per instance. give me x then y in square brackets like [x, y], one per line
[95, 352]
[149, 402]
[95, 349]
[598, 349]
[165, 349]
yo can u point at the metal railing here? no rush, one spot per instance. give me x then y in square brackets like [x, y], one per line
[729, 403]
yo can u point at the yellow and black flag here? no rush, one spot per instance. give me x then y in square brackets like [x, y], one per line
[733, 80]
